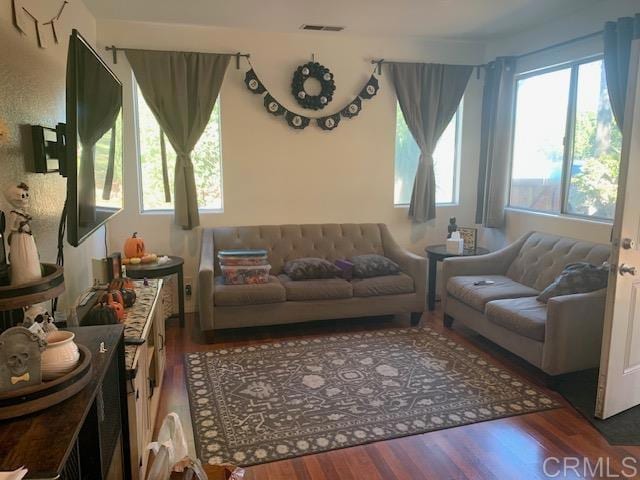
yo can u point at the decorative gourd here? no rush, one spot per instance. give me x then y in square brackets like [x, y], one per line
[134, 261]
[134, 247]
[149, 258]
[111, 303]
[128, 296]
[117, 296]
[101, 314]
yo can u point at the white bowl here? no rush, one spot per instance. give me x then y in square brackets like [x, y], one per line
[61, 355]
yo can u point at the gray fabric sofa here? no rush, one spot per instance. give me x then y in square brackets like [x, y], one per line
[283, 300]
[561, 336]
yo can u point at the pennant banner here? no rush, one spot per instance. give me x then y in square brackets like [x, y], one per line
[300, 122]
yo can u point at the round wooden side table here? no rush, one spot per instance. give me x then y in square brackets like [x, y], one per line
[435, 254]
[155, 270]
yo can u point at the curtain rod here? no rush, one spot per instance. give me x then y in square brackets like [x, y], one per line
[381, 61]
[114, 50]
[560, 44]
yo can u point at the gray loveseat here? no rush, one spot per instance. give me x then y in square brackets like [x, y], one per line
[561, 336]
[283, 300]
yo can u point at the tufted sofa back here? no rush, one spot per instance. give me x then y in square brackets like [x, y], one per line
[543, 256]
[287, 242]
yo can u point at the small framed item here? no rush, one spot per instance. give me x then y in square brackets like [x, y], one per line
[470, 238]
[114, 266]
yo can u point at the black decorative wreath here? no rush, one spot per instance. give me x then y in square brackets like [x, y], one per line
[320, 73]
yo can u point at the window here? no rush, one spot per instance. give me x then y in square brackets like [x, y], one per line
[445, 160]
[206, 158]
[566, 145]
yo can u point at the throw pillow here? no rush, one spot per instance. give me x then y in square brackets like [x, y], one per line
[577, 278]
[366, 266]
[310, 268]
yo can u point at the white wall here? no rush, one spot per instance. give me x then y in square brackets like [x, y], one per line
[582, 23]
[32, 91]
[273, 174]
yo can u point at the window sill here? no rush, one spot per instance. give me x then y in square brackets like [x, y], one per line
[202, 211]
[438, 205]
[563, 216]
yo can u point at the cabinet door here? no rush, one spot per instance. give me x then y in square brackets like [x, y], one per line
[161, 341]
[138, 417]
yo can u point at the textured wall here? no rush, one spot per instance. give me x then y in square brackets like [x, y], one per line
[32, 91]
[273, 174]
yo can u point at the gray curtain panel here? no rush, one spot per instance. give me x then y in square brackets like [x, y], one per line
[429, 95]
[495, 141]
[181, 89]
[617, 49]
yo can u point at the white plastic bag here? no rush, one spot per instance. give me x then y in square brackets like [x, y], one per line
[172, 453]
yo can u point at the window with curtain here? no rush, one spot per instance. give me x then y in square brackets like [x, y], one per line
[445, 161]
[206, 158]
[566, 145]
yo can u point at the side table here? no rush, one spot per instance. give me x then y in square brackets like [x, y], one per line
[435, 254]
[155, 270]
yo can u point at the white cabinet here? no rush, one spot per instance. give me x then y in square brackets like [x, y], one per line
[145, 375]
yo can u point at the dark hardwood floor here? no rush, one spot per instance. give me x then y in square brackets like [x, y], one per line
[508, 449]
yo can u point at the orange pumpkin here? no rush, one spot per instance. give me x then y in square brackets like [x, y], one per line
[134, 247]
[111, 303]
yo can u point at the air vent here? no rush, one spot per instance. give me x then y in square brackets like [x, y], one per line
[324, 28]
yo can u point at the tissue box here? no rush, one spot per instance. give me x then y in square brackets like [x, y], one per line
[455, 246]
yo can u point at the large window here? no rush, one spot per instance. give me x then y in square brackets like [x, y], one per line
[445, 160]
[206, 158]
[566, 146]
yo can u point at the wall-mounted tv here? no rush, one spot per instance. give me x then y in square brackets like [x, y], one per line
[93, 132]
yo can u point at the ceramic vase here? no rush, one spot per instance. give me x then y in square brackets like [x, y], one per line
[61, 355]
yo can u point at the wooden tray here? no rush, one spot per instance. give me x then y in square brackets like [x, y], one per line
[51, 285]
[38, 397]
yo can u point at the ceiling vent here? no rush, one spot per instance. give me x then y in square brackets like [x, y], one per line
[324, 28]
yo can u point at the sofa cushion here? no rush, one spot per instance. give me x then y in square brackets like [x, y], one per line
[525, 316]
[310, 268]
[367, 266]
[319, 289]
[385, 285]
[477, 296]
[543, 257]
[255, 294]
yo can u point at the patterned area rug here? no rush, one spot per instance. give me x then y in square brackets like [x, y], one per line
[284, 399]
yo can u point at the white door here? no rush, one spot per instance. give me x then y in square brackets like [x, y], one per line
[619, 382]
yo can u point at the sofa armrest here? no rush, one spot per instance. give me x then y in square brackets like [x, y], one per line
[413, 265]
[206, 280]
[495, 263]
[573, 333]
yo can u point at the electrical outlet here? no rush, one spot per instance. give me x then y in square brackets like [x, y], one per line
[188, 286]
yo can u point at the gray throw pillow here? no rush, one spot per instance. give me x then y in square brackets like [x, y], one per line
[310, 268]
[577, 278]
[366, 266]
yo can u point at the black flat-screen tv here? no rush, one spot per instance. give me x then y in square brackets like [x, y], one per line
[93, 132]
